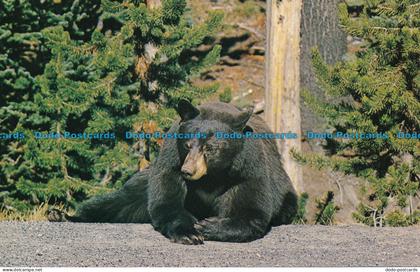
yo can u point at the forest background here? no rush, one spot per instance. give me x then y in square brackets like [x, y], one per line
[115, 66]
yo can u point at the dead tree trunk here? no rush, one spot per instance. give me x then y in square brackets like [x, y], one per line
[282, 97]
[150, 49]
[153, 3]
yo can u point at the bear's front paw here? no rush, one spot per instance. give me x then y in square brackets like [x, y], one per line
[187, 239]
[182, 231]
[209, 227]
[178, 229]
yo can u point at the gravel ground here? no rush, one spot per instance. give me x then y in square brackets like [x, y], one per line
[70, 244]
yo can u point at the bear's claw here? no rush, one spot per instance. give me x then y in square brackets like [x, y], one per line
[189, 239]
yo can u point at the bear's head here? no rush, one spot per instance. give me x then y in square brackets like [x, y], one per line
[210, 154]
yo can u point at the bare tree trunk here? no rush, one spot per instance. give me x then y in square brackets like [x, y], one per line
[153, 3]
[282, 111]
[150, 49]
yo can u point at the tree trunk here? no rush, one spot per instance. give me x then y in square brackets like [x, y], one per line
[282, 96]
[320, 28]
[153, 3]
[150, 49]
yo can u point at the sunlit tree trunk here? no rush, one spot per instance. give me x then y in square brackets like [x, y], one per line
[150, 49]
[282, 97]
[153, 3]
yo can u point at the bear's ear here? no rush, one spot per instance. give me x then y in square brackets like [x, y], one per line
[242, 119]
[247, 129]
[186, 110]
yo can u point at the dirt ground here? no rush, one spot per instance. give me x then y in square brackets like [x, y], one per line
[69, 244]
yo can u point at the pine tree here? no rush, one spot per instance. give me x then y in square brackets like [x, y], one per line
[126, 78]
[376, 92]
[23, 56]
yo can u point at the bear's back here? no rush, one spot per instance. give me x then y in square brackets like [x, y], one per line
[218, 111]
[225, 112]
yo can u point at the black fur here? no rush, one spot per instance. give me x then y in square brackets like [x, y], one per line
[243, 194]
[127, 205]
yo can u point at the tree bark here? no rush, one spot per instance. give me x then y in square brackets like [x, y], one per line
[320, 28]
[150, 49]
[153, 3]
[282, 94]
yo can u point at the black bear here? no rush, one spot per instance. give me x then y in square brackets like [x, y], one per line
[205, 188]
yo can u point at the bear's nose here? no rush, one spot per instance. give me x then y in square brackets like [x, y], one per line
[187, 171]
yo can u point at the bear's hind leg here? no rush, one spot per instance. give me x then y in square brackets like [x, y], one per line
[127, 205]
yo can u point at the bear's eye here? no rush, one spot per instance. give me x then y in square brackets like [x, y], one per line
[187, 145]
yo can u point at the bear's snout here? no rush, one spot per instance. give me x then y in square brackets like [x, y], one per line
[194, 166]
[187, 171]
